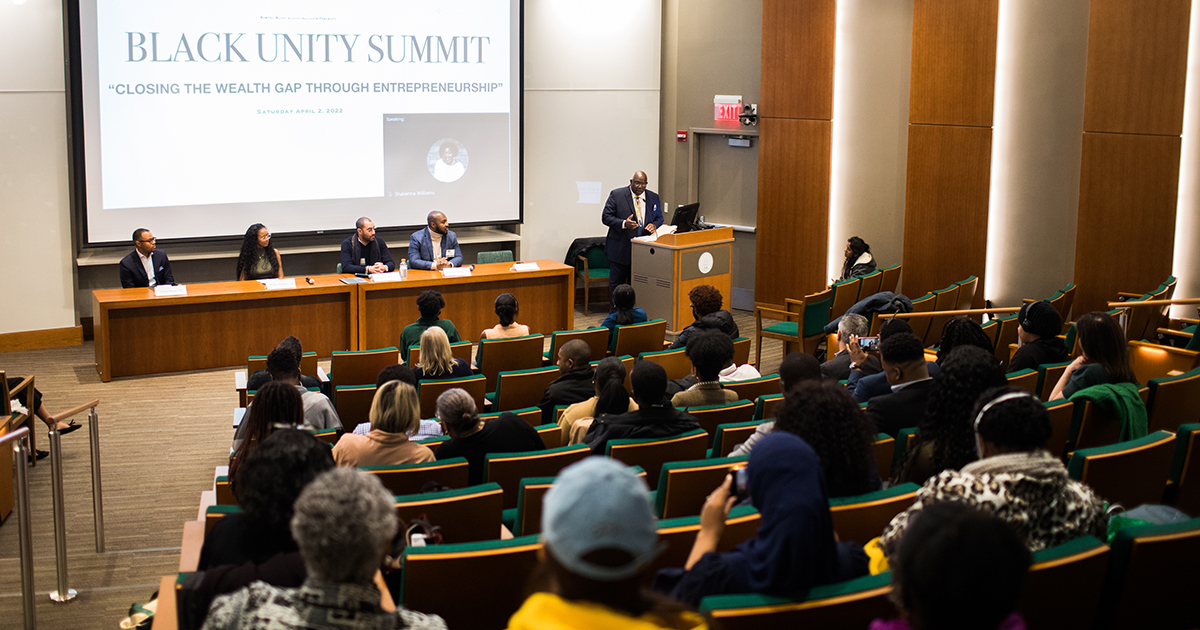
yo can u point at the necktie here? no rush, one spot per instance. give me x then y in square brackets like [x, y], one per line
[637, 205]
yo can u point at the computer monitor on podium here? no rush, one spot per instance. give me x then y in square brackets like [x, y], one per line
[685, 217]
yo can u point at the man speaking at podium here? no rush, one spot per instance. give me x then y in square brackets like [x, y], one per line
[629, 213]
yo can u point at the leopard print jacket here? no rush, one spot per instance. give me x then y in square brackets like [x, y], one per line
[1031, 491]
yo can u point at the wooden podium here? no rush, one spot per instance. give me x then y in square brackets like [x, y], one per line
[666, 269]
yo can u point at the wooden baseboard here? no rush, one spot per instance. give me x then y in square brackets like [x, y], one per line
[38, 339]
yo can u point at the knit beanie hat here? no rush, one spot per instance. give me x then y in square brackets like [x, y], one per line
[1041, 319]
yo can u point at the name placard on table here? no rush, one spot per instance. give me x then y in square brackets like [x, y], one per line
[525, 266]
[169, 290]
[391, 276]
[456, 272]
[279, 283]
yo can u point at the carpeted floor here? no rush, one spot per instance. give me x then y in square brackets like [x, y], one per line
[160, 438]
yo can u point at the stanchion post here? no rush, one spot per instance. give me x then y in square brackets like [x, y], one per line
[97, 492]
[64, 593]
[20, 449]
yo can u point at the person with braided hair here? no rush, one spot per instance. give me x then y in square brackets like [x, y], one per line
[946, 439]
[960, 331]
[1015, 478]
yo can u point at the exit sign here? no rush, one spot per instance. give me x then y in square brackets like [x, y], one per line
[727, 108]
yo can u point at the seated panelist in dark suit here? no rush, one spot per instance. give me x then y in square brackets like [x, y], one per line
[145, 266]
[434, 247]
[630, 212]
[363, 252]
[903, 360]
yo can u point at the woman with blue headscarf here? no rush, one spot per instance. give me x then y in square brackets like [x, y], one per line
[794, 547]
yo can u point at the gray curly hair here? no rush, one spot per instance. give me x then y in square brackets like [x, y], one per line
[343, 524]
[456, 408]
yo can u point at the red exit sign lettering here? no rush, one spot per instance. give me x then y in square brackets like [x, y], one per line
[728, 111]
[727, 107]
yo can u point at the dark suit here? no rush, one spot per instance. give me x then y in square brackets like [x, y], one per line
[901, 409]
[838, 368]
[133, 274]
[420, 250]
[617, 244]
[868, 386]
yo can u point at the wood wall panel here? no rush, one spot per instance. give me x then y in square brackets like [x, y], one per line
[1127, 202]
[1137, 66]
[953, 62]
[797, 58]
[793, 208]
[946, 207]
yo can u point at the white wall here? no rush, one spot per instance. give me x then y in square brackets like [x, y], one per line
[872, 65]
[35, 224]
[1041, 65]
[591, 112]
[1187, 225]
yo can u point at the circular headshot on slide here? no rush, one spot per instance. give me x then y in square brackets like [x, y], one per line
[447, 160]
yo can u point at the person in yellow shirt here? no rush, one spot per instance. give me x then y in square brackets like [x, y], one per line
[599, 540]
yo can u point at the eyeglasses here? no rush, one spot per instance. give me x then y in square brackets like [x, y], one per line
[148, 240]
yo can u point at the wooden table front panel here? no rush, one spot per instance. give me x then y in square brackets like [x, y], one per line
[545, 298]
[219, 325]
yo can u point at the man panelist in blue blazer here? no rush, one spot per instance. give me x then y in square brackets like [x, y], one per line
[145, 266]
[629, 213]
[434, 247]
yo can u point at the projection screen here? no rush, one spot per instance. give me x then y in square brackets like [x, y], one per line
[201, 118]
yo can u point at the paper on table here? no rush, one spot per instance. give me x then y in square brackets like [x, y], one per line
[391, 276]
[456, 272]
[279, 283]
[525, 266]
[168, 290]
[661, 231]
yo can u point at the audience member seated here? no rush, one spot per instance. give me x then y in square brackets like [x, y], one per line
[343, 524]
[710, 351]
[266, 484]
[257, 543]
[599, 535]
[796, 368]
[403, 373]
[574, 382]
[394, 415]
[859, 261]
[946, 439]
[907, 374]
[960, 331]
[706, 308]
[437, 360]
[275, 405]
[624, 299]
[1103, 357]
[1015, 478]
[957, 569]
[40, 411]
[506, 309]
[850, 328]
[259, 377]
[610, 398]
[866, 387]
[829, 421]
[794, 547]
[430, 305]
[283, 365]
[1038, 327]
[654, 418]
[258, 259]
[473, 438]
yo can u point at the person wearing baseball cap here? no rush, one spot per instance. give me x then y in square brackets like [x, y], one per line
[600, 537]
[1038, 327]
